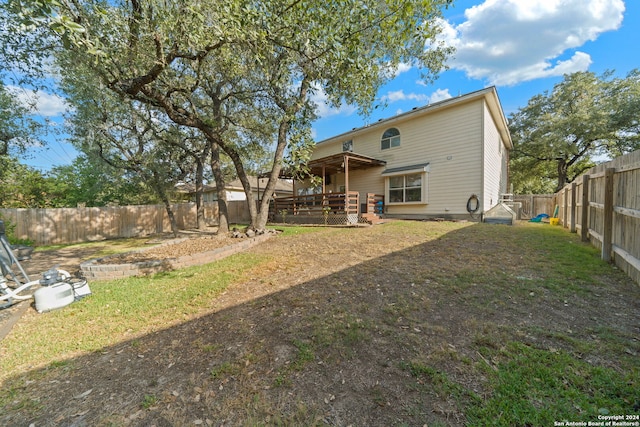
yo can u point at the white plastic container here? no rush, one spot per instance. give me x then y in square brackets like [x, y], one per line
[81, 290]
[55, 296]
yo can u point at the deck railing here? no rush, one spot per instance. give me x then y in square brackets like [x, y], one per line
[375, 203]
[317, 204]
[327, 208]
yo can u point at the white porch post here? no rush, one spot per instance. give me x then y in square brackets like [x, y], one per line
[323, 180]
[346, 183]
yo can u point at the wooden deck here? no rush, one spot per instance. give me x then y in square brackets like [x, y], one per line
[328, 209]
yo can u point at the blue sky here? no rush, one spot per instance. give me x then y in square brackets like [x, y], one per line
[523, 47]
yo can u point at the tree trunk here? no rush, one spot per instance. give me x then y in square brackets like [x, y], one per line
[263, 214]
[259, 222]
[200, 223]
[563, 169]
[172, 217]
[242, 176]
[223, 212]
[156, 182]
[167, 203]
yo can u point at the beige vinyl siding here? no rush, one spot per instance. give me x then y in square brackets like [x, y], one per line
[337, 181]
[494, 163]
[454, 155]
[464, 140]
[363, 181]
[367, 181]
[450, 140]
[328, 148]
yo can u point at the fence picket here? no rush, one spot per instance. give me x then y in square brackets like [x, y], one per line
[74, 225]
[610, 207]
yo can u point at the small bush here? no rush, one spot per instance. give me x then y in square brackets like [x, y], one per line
[9, 229]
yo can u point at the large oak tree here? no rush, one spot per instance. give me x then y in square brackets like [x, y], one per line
[221, 67]
[557, 134]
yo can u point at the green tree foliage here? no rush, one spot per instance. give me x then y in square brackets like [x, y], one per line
[85, 182]
[131, 140]
[92, 182]
[558, 134]
[239, 72]
[20, 185]
[17, 129]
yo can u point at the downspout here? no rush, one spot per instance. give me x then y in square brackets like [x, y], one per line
[483, 153]
[508, 167]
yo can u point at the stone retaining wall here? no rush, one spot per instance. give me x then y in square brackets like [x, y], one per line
[97, 269]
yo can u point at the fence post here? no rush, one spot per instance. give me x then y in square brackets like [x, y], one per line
[532, 211]
[607, 229]
[572, 214]
[565, 206]
[584, 217]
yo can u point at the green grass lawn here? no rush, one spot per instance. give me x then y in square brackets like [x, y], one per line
[126, 307]
[507, 326]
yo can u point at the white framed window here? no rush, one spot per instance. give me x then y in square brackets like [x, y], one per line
[347, 146]
[406, 184]
[406, 188]
[390, 139]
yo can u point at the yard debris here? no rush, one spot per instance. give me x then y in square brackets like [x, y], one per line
[249, 233]
[315, 291]
[83, 395]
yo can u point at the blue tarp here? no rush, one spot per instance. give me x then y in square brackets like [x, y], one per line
[539, 218]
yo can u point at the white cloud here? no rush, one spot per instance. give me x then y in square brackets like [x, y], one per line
[393, 72]
[403, 68]
[511, 41]
[324, 109]
[400, 95]
[439, 95]
[42, 103]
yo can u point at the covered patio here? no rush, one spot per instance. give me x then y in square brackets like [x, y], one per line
[346, 207]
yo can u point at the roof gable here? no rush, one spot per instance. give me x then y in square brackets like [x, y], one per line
[489, 95]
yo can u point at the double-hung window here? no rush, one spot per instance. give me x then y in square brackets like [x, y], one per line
[406, 184]
[405, 188]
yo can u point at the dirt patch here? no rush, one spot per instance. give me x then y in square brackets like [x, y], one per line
[169, 249]
[170, 256]
[329, 328]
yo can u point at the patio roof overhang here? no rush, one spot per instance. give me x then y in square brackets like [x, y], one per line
[336, 162]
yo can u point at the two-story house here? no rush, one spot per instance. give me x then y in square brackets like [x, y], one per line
[448, 159]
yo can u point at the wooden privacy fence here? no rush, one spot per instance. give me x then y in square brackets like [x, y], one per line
[535, 204]
[603, 205]
[74, 225]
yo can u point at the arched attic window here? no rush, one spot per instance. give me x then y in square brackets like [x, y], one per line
[390, 139]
